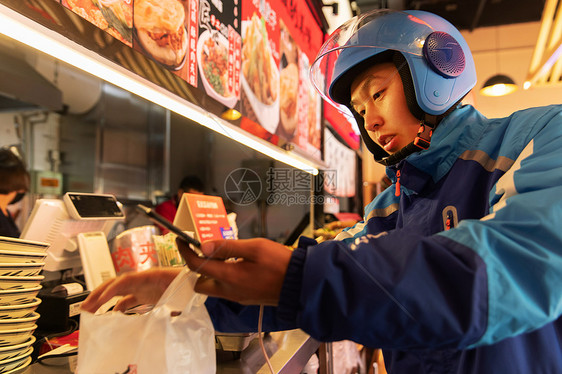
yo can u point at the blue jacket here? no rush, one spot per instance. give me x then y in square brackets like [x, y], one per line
[456, 268]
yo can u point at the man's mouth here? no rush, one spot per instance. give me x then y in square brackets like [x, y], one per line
[386, 141]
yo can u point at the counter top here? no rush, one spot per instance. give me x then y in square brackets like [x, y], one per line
[289, 351]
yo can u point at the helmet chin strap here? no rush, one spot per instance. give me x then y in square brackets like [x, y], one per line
[421, 142]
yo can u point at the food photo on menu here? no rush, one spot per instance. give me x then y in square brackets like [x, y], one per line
[218, 50]
[308, 129]
[159, 30]
[113, 16]
[289, 84]
[213, 64]
[314, 131]
[260, 75]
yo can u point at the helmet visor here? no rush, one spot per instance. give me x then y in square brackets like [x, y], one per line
[360, 38]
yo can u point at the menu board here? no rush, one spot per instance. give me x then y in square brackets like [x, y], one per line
[251, 55]
[279, 41]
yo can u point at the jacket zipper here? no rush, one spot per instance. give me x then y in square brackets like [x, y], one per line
[397, 193]
[450, 218]
[449, 221]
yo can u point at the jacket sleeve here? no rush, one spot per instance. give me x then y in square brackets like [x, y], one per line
[231, 317]
[228, 316]
[520, 241]
[476, 284]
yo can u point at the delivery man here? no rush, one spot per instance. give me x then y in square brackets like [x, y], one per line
[457, 268]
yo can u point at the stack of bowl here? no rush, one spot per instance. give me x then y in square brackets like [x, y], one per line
[21, 262]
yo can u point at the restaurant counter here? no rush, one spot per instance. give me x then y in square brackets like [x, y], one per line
[289, 352]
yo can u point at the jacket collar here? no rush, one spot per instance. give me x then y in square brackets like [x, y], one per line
[456, 133]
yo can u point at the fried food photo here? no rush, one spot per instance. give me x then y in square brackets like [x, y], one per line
[289, 87]
[258, 66]
[87, 10]
[160, 30]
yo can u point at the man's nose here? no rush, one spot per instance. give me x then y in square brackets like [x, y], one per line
[372, 119]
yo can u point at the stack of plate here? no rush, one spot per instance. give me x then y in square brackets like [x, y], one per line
[21, 262]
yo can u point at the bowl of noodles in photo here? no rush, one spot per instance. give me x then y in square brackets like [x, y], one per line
[212, 59]
[260, 74]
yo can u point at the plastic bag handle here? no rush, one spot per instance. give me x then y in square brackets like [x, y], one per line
[180, 294]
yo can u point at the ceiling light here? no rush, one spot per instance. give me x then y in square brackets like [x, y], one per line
[498, 85]
[545, 68]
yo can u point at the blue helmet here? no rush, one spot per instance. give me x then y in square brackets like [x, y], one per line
[432, 57]
[438, 57]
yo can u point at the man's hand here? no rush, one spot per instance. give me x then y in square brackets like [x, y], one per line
[144, 287]
[246, 271]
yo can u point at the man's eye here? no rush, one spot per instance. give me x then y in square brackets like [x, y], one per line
[361, 112]
[377, 95]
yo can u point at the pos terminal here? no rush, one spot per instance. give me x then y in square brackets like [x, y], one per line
[76, 228]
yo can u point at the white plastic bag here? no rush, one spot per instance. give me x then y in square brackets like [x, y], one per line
[155, 342]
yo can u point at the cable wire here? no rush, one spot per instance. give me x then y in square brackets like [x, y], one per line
[260, 321]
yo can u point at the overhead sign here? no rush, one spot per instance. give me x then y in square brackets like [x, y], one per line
[249, 55]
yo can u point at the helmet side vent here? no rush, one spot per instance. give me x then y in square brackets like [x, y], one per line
[444, 54]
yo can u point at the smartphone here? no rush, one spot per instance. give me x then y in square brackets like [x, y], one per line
[155, 217]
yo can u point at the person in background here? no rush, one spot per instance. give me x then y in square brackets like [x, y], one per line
[169, 208]
[457, 267]
[14, 183]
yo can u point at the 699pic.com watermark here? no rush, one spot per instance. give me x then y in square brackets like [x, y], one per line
[288, 199]
[278, 186]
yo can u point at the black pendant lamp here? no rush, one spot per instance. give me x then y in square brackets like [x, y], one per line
[499, 84]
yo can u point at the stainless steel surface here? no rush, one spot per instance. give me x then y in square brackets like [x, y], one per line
[294, 351]
[233, 342]
[288, 352]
